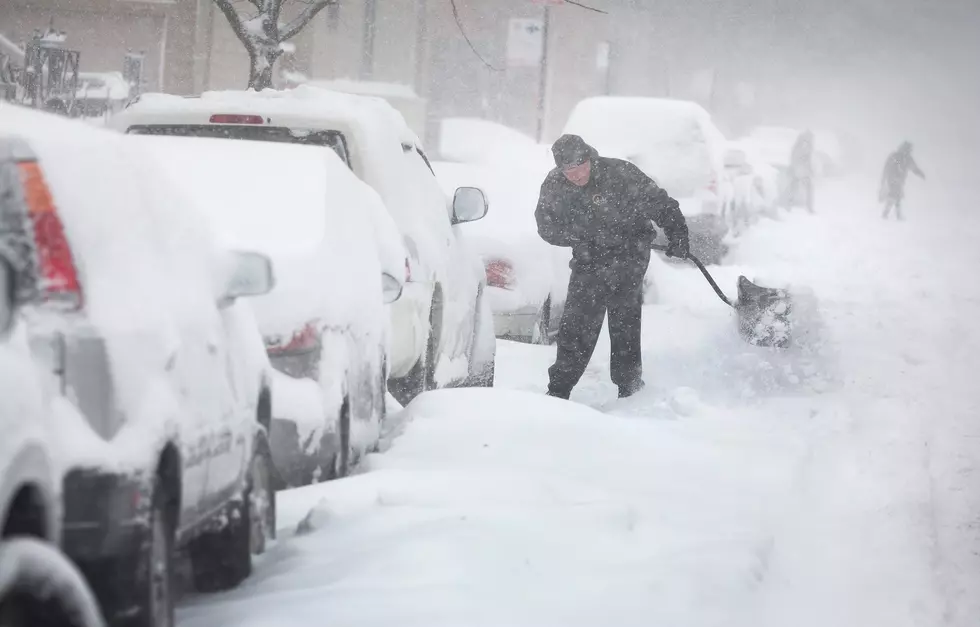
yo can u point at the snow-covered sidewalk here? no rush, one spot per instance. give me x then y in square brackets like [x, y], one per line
[738, 489]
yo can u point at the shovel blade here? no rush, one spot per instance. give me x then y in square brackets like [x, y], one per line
[764, 314]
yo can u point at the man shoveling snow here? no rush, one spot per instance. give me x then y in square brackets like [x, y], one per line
[603, 209]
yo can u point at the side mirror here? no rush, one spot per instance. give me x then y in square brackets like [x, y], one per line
[251, 275]
[8, 307]
[469, 205]
[391, 288]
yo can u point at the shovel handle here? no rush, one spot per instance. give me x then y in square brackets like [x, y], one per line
[704, 271]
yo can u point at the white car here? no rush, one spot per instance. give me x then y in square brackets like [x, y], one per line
[676, 144]
[139, 326]
[38, 584]
[527, 278]
[754, 185]
[338, 260]
[442, 331]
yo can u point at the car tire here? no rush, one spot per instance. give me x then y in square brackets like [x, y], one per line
[42, 587]
[342, 459]
[222, 557]
[262, 499]
[422, 375]
[154, 567]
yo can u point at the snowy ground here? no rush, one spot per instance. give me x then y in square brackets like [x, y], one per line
[739, 489]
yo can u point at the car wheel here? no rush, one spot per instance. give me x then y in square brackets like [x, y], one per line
[41, 587]
[154, 567]
[222, 556]
[540, 334]
[261, 500]
[422, 375]
[342, 460]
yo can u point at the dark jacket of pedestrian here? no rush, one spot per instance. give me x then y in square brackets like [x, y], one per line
[609, 221]
[897, 168]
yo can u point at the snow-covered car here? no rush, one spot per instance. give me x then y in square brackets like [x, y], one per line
[442, 329]
[38, 583]
[527, 279]
[674, 142]
[140, 326]
[325, 323]
[753, 184]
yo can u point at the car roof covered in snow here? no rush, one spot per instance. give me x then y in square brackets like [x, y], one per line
[627, 125]
[305, 106]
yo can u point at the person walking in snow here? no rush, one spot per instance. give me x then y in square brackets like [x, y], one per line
[604, 210]
[897, 167]
[801, 171]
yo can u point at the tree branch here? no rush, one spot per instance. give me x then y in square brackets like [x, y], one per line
[236, 23]
[304, 18]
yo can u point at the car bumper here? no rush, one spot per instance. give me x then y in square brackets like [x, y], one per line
[409, 328]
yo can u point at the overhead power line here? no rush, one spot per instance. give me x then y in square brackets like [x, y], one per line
[462, 31]
[579, 4]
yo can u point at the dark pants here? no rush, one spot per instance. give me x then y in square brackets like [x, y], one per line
[893, 199]
[592, 292]
[795, 184]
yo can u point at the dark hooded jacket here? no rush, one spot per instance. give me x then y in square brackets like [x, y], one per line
[609, 220]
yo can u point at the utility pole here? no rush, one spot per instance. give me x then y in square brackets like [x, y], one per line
[543, 84]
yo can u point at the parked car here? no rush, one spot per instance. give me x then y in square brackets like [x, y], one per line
[754, 185]
[339, 259]
[676, 144]
[38, 583]
[140, 327]
[442, 327]
[527, 279]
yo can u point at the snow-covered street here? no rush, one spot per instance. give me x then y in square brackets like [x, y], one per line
[739, 488]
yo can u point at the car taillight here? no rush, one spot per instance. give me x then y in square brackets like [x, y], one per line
[713, 185]
[59, 278]
[234, 118]
[500, 273]
[304, 340]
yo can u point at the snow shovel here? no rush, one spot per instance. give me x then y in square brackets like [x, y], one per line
[764, 313]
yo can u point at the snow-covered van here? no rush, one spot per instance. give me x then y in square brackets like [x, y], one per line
[140, 328]
[442, 328]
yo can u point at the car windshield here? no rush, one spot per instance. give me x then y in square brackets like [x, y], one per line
[332, 139]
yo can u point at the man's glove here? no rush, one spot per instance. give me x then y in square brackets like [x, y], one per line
[678, 248]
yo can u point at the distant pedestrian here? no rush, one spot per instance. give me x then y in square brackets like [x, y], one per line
[801, 171]
[603, 209]
[897, 167]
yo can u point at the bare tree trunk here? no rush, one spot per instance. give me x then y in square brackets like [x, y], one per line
[261, 64]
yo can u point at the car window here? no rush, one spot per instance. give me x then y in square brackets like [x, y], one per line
[334, 140]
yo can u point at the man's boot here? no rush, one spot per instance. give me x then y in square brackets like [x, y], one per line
[625, 391]
[558, 393]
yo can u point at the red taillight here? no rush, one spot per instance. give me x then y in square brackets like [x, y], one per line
[304, 340]
[500, 273]
[235, 118]
[713, 185]
[59, 279]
